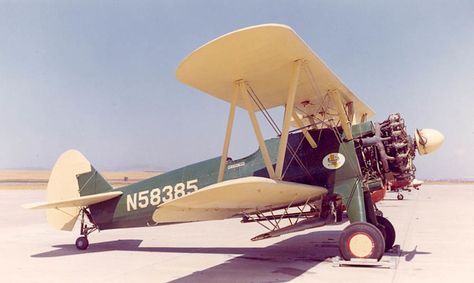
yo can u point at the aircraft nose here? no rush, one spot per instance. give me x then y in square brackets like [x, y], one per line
[428, 140]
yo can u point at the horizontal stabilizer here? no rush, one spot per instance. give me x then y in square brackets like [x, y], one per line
[74, 202]
[231, 198]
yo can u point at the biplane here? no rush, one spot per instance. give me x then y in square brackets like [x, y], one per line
[324, 162]
[404, 185]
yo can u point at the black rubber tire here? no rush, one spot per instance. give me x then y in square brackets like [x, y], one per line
[82, 243]
[368, 230]
[400, 197]
[390, 234]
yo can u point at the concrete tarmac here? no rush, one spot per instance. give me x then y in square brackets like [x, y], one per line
[435, 231]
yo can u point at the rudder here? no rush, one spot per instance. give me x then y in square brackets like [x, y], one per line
[72, 177]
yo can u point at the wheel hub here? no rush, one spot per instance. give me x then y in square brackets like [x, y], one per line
[361, 245]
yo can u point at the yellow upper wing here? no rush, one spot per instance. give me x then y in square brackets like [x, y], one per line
[230, 198]
[263, 56]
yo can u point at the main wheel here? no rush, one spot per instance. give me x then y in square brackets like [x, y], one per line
[389, 232]
[361, 240]
[82, 243]
[400, 197]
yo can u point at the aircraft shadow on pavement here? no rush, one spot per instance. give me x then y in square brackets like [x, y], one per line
[282, 261]
[410, 255]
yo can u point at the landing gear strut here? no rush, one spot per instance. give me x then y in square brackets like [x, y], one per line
[378, 212]
[82, 242]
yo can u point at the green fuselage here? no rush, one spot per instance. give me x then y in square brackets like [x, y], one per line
[140, 200]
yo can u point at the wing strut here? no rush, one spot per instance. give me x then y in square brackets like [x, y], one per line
[304, 129]
[241, 86]
[350, 112]
[345, 123]
[228, 133]
[256, 128]
[290, 102]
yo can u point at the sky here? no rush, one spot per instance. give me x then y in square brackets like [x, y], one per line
[99, 76]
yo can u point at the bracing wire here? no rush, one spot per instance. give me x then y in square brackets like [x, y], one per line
[263, 109]
[275, 127]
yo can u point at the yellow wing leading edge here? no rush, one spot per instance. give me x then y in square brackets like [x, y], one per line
[263, 57]
[232, 198]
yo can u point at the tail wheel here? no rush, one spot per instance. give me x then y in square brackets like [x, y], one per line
[400, 197]
[389, 232]
[82, 243]
[361, 240]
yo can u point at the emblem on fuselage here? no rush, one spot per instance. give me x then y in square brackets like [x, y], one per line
[333, 161]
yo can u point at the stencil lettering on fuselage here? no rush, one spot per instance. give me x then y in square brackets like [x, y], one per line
[157, 196]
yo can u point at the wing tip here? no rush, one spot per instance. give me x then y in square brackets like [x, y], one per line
[33, 205]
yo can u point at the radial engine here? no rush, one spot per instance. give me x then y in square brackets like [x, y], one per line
[386, 151]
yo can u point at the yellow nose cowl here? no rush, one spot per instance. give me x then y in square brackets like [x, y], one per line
[428, 140]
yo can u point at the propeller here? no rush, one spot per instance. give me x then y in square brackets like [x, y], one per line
[428, 140]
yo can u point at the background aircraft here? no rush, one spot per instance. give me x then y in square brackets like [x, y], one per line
[305, 177]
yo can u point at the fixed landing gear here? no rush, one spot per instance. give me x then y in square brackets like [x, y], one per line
[388, 232]
[400, 196]
[82, 243]
[361, 240]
